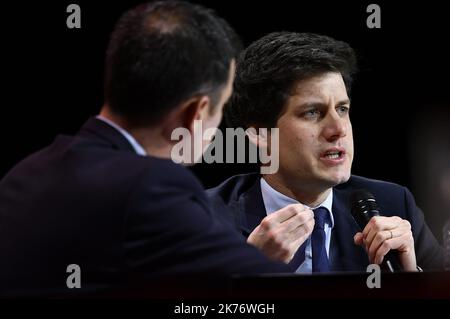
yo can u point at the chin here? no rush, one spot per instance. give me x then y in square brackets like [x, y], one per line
[342, 178]
[336, 179]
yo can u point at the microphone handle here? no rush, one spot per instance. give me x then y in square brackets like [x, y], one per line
[390, 262]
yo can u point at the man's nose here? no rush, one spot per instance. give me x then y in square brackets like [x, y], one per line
[335, 127]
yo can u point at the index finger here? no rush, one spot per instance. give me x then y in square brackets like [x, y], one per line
[286, 213]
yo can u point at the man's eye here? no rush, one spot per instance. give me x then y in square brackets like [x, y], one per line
[343, 109]
[311, 113]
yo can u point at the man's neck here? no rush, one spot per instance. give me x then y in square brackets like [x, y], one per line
[150, 138]
[305, 194]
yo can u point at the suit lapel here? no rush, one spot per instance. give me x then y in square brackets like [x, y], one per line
[252, 211]
[345, 255]
[251, 208]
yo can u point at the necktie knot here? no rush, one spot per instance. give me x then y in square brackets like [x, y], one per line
[321, 216]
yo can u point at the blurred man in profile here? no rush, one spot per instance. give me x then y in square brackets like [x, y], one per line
[300, 83]
[109, 199]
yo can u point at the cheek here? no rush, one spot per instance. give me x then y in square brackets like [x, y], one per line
[299, 136]
[212, 123]
[216, 121]
[293, 131]
[350, 141]
[299, 147]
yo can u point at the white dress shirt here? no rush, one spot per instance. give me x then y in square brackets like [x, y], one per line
[274, 200]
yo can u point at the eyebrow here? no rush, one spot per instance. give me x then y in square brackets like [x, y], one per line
[320, 104]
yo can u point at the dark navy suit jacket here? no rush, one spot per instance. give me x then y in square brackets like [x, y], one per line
[91, 200]
[239, 201]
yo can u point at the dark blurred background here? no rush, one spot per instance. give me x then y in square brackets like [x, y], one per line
[400, 100]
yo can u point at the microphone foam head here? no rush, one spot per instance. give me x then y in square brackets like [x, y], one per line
[363, 206]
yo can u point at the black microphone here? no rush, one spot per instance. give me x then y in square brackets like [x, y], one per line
[364, 207]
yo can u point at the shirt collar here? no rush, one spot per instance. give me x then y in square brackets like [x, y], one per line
[136, 146]
[274, 200]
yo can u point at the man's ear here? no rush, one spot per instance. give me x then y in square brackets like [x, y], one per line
[193, 110]
[185, 115]
[256, 136]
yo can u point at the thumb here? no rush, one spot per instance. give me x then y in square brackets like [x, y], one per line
[255, 235]
[358, 239]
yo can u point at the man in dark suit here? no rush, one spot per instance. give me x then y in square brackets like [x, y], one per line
[300, 84]
[108, 207]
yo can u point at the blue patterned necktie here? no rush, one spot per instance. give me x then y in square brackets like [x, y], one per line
[320, 261]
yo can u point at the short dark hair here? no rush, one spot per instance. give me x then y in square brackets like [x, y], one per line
[267, 70]
[161, 53]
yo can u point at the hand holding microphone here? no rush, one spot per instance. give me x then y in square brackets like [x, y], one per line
[387, 240]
